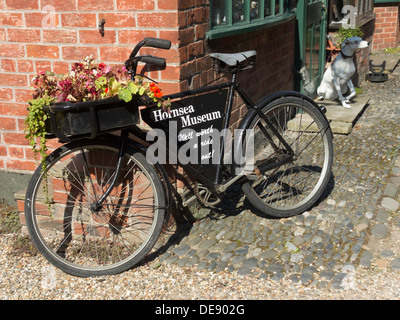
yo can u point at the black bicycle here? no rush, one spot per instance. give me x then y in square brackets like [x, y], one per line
[110, 195]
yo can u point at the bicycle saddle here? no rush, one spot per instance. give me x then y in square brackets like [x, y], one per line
[233, 59]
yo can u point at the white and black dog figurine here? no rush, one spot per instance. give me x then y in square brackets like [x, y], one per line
[339, 73]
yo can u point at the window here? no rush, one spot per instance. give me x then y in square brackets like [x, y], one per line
[386, 1]
[342, 10]
[229, 17]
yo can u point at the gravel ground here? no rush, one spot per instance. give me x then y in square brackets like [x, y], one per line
[27, 277]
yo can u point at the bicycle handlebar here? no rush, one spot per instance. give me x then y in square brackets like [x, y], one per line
[150, 42]
[157, 43]
[160, 62]
[131, 63]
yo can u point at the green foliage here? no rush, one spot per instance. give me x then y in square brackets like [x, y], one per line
[11, 222]
[23, 246]
[125, 94]
[35, 128]
[35, 125]
[344, 34]
[9, 219]
[392, 51]
[101, 82]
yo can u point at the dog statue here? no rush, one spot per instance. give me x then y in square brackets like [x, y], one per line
[338, 75]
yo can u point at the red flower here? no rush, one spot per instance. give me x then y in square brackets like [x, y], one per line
[102, 65]
[156, 91]
[106, 90]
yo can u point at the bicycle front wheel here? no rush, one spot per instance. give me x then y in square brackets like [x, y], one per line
[70, 233]
[294, 182]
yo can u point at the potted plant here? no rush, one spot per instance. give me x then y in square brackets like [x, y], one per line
[81, 95]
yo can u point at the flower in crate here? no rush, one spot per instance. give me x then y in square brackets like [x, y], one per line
[156, 91]
[86, 81]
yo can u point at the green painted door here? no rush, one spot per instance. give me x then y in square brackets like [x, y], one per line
[311, 44]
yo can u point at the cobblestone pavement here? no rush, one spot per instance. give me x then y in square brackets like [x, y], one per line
[355, 225]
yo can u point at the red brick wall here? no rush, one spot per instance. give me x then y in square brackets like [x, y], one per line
[195, 64]
[387, 28]
[26, 48]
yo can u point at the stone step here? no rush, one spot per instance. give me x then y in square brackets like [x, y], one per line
[341, 119]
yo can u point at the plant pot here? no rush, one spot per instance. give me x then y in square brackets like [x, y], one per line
[71, 121]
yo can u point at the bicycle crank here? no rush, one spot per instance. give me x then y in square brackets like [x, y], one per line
[205, 196]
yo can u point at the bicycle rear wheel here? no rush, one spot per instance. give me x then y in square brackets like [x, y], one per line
[86, 242]
[294, 185]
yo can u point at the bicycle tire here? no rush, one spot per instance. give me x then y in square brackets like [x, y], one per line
[293, 187]
[75, 238]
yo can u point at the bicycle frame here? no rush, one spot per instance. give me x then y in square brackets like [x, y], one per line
[212, 184]
[215, 185]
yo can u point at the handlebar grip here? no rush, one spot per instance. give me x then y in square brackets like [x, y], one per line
[154, 60]
[157, 43]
